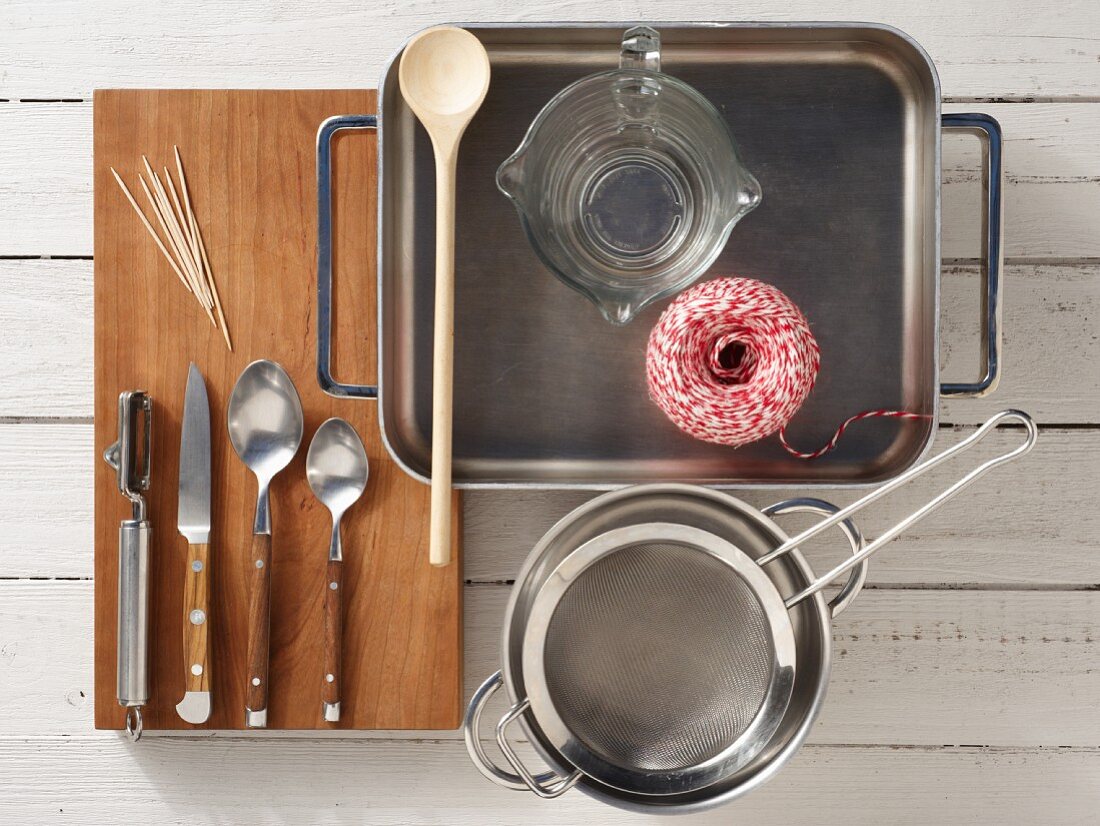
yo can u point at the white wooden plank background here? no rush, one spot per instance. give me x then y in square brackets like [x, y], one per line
[966, 684]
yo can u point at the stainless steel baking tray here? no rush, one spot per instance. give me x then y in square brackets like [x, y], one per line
[840, 123]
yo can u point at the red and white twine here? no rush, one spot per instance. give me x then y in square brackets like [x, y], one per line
[732, 360]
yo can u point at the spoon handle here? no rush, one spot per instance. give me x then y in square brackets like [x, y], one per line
[259, 631]
[334, 640]
[439, 545]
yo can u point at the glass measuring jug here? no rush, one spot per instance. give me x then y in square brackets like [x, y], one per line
[628, 182]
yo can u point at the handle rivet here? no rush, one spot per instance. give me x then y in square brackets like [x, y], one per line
[259, 563]
[255, 681]
[333, 586]
[198, 616]
[330, 678]
[196, 669]
[196, 566]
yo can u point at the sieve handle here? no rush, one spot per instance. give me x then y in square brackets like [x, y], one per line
[858, 573]
[471, 727]
[919, 513]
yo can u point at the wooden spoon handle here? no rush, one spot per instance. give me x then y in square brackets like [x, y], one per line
[334, 638]
[439, 547]
[259, 631]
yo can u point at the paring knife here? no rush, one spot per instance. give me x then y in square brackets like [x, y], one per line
[194, 523]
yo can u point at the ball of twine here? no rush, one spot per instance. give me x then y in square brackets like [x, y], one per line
[731, 361]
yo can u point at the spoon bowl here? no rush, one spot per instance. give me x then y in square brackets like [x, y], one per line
[265, 419]
[336, 466]
[444, 74]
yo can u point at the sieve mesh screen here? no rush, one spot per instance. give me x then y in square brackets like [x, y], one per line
[658, 656]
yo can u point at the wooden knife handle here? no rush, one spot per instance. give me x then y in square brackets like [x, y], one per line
[334, 638]
[196, 619]
[259, 630]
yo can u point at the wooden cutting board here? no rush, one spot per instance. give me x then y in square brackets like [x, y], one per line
[250, 163]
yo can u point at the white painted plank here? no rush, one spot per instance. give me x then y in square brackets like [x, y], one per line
[46, 522]
[66, 49]
[1051, 343]
[1051, 328]
[910, 667]
[106, 780]
[1034, 522]
[46, 338]
[1052, 181]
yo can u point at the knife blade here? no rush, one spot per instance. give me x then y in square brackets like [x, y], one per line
[193, 521]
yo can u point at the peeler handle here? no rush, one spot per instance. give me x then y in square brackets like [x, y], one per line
[133, 620]
[325, 135]
[988, 131]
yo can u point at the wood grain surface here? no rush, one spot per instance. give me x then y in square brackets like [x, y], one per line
[250, 165]
[196, 597]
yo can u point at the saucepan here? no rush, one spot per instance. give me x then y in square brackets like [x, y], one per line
[667, 648]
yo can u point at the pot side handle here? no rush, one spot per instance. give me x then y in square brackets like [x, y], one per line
[988, 131]
[547, 785]
[325, 135]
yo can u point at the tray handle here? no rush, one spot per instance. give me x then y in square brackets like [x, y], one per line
[325, 135]
[988, 131]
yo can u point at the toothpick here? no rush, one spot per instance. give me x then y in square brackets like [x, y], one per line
[192, 277]
[148, 226]
[171, 226]
[202, 249]
[188, 236]
[183, 246]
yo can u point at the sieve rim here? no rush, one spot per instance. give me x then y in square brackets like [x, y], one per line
[736, 754]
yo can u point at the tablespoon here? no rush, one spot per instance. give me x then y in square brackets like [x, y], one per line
[265, 427]
[337, 469]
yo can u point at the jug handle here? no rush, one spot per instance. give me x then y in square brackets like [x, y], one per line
[324, 256]
[641, 49]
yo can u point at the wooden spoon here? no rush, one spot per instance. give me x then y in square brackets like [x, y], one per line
[444, 76]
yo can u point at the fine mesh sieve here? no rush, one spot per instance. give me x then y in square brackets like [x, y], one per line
[658, 657]
[620, 701]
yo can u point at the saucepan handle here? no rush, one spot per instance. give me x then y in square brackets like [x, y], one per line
[988, 131]
[547, 785]
[858, 574]
[324, 256]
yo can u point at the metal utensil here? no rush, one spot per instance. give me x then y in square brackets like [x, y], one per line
[193, 521]
[131, 456]
[265, 427]
[337, 468]
[560, 401]
[658, 659]
[444, 75]
[753, 531]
